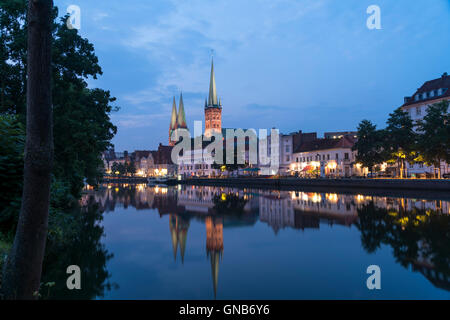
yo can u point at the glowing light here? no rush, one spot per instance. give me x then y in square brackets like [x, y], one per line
[403, 221]
[332, 197]
[316, 198]
[332, 165]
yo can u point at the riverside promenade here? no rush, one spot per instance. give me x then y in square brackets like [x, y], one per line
[374, 186]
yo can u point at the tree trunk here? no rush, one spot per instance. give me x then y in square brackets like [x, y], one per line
[439, 169]
[406, 170]
[22, 272]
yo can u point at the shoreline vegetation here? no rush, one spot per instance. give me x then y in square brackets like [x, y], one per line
[81, 116]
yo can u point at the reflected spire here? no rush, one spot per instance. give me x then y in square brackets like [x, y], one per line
[173, 232]
[178, 231]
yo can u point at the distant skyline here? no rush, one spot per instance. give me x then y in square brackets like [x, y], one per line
[308, 65]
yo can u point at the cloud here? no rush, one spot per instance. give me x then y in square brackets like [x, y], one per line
[137, 120]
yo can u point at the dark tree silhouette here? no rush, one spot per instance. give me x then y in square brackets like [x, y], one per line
[22, 271]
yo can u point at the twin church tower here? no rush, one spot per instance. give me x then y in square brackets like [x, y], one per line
[213, 112]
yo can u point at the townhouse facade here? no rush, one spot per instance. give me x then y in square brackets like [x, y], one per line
[431, 92]
[331, 158]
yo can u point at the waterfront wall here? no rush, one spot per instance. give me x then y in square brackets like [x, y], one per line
[402, 184]
[124, 180]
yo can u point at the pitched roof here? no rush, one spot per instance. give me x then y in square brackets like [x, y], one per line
[212, 100]
[441, 83]
[181, 120]
[346, 142]
[173, 118]
[163, 155]
[139, 154]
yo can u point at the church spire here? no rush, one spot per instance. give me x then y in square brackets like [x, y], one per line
[181, 121]
[212, 101]
[173, 122]
[173, 118]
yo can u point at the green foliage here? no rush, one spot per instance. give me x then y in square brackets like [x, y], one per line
[82, 126]
[415, 235]
[434, 140]
[13, 42]
[130, 168]
[400, 139]
[229, 166]
[369, 146]
[12, 141]
[75, 237]
[122, 169]
[118, 167]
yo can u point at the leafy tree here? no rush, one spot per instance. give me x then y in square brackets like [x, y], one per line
[22, 271]
[434, 140]
[369, 146]
[400, 139]
[228, 166]
[13, 56]
[12, 144]
[82, 126]
[118, 167]
[81, 123]
[130, 168]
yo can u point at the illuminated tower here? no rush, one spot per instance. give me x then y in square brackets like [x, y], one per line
[173, 122]
[214, 247]
[213, 108]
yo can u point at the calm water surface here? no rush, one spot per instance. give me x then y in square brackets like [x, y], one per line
[189, 242]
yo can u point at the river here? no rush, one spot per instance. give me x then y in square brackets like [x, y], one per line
[188, 242]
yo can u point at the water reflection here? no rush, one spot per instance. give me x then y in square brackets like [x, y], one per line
[82, 246]
[416, 229]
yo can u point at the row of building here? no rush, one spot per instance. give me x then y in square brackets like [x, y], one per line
[300, 154]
